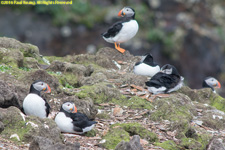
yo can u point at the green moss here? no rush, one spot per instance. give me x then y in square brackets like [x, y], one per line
[168, 145]
[68, 80]
[115, 136]
[4, 68]
[105, 93]
[169, 109]
[103, 116]
[218, 102]
[137, 129]
[203, 139]
[55, 58]
[189, 143]
[91, 133]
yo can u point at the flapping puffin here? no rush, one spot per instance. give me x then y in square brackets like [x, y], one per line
[122, 31]
[165, 81]
[212, 83]
[33, 103]
[71, 121]
[146, 67]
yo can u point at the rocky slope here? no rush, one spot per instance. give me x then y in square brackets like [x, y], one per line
[105, 89]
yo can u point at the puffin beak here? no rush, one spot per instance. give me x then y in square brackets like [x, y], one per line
[74, 109]
[121, 13]
[48, 89]
[218, 85]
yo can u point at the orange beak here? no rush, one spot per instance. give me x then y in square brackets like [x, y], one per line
[218, 85]
[121, 13]
[48, 90]
[75, 109]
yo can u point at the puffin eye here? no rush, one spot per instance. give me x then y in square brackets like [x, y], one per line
[68, 105]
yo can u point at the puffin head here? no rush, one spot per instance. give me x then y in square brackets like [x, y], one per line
[169, 69]
[38, 86]
[69, 107]
[147, 58]
[211, 83]
[127, 12]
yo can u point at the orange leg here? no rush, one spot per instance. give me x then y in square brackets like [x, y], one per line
[119, 48]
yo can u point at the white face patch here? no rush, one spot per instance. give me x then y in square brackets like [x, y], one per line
[40, 86]
[212, 82]
[128, 11]
[68, 106]
[167, 71]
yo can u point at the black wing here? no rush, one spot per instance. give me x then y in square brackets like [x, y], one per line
[113, 30]
[80, 121]
[47, 108]
[162, 79]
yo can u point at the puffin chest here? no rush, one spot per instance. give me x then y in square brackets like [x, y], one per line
[127, 32]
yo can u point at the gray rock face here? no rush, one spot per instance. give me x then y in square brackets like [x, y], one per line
[134, 144]
[8, 97]
[217, 144]
[41, 143]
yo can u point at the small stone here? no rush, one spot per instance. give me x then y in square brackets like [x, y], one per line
[117, 111]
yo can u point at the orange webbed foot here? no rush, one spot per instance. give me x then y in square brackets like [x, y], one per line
[121, 50]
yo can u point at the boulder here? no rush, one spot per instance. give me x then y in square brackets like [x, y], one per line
[216, 143]
[27, 127]
[42, 143]
[134, 144]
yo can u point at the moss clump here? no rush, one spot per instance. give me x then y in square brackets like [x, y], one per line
[115, 136]
[203, 139]
[103, 93]
[218, 102]
[68, 80]
[189, 143]
[91, 133]
[173, 108]
[137, 129]
[168, 145]
[103, 116]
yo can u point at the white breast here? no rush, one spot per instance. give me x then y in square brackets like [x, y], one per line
[34, 105]
[64, 123]
[146, 70]
[127, 32]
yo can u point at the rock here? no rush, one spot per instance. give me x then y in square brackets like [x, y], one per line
[13, 58]
[43, 75]
[28, 50]
[134, 144]
[8, 96]
[28, 127]
[217, 143]
[1, 126]
[113, 54]
[30, 62]
[41, 143]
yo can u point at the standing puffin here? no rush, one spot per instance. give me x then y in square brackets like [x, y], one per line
[70, 121]
[122, 31]
[146, 67]
[165, 81]
[33, 103]
[212, 83]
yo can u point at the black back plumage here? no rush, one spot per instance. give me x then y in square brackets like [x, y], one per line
[80, 120]
[149, 60]
[161, 79]
[48, 108]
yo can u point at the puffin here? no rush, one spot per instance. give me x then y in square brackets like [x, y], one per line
[33, 103]
[146, 67]
[211, 82]
[165, 81]
[122, 31]
[71, 121]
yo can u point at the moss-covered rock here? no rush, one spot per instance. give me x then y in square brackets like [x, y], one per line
[115, 136]
[137, 129]
[106, 93]
[168, 145]
[15, 124]
[11, 57]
